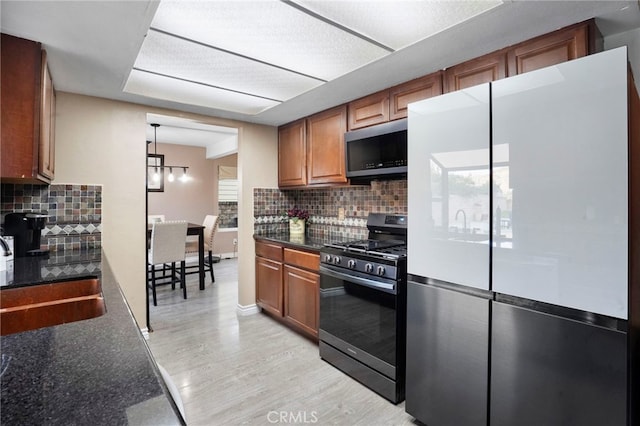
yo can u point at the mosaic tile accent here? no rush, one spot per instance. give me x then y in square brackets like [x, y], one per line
[228, 213]
[75, 212]
[79, 268]
[270, 206]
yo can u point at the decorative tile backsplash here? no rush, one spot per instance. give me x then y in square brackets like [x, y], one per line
[270, 206]
[228, 212]
[75, 212]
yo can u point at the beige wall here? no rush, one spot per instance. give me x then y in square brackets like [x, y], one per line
[99, 141]
[192, 200]
[257, 168]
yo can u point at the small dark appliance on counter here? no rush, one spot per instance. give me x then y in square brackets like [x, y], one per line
[26, 229]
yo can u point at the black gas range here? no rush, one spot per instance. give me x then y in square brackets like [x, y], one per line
[363, 305]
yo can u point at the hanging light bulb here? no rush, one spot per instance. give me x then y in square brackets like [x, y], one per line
[156, 175]
[171, 177]
[184, 176]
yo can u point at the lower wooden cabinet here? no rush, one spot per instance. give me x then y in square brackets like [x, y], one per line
[301, 299]
[288, 285]
[269, 285]
[269, 277]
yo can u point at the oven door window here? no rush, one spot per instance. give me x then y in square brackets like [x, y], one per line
[362, 316]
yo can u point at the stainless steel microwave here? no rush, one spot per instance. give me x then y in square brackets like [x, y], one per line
[378, 151]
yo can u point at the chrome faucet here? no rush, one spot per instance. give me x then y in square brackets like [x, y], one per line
[464, 217]
[5, 247]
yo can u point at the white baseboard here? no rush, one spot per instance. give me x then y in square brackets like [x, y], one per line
[145, 333]
[245, 310]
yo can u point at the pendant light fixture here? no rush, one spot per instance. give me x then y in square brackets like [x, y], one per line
[157, 167]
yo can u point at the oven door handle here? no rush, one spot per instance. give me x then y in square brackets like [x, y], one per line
[387, 287]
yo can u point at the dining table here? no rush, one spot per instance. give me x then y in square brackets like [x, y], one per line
[192, 229]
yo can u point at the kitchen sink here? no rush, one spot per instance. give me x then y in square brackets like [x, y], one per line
[469, 238]
[44, 305]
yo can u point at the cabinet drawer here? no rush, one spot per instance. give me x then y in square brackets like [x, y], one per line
[269, 251]
[302, 259]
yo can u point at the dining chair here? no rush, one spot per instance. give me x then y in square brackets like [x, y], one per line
[210, 224]
[152, 218]
[167, 248]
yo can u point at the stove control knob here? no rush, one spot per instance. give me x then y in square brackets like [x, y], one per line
[380, 270]
[337, 260]
[327, 258]
[351, 264]
[368, 267]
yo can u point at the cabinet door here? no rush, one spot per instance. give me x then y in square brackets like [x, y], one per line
[549, 370]
[560, 170]
[269, 285]
[415, 90]
[292, 154]
[46, 157]
[370, 110]
[551, 49]
[301, 299]
[447, 356]
[20, 100]
[485, 69]
[325, 146]
[448, 188]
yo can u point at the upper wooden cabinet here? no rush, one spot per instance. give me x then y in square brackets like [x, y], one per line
[480, 70]
[391, 104]
[560, 46]
[292, 154]
[415, 90]
[370, 110]
[311, 150]
[325, 147]
[27, 113]
[46, 152]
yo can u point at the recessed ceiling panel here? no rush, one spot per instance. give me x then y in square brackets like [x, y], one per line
[176, 57]
[156, 86]
[270, 31]
[398, 23]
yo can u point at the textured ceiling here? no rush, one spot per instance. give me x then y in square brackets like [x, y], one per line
[93, 49]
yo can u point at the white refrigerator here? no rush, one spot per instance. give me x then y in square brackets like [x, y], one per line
[518, 252]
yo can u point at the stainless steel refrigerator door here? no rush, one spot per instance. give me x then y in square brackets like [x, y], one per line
[447, 356]
[560, 184]
[548, 370]
[448, 187]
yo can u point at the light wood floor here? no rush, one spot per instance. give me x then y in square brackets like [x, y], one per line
[233, 370]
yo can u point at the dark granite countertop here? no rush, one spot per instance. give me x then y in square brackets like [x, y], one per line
[97, 371]
[53, 267]
[305, 242]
